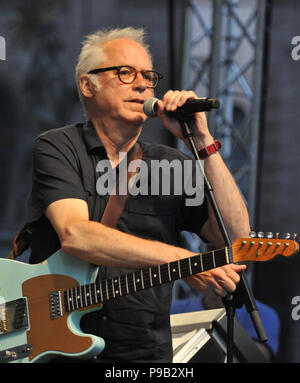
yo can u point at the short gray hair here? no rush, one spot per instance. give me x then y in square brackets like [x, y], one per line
[92, 55]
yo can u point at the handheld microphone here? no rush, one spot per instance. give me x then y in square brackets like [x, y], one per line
[203, 104]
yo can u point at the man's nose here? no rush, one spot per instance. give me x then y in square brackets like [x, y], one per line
[140, 81]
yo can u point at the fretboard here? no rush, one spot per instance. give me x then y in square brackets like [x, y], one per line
[100, 292]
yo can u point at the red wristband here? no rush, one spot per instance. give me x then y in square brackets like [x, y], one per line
[213, 148]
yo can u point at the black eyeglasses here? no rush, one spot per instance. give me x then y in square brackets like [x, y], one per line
[127, 74]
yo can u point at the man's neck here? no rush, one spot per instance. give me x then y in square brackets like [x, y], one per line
[116, 139]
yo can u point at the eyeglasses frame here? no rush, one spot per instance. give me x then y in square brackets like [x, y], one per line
[118, 67]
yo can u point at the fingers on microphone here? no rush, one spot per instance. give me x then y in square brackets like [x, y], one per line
[175, 98]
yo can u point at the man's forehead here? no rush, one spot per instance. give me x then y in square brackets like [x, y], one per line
[124, 49]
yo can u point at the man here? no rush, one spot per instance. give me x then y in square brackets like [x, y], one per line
[115, 76]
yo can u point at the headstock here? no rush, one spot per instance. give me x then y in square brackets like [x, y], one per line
[263, 247]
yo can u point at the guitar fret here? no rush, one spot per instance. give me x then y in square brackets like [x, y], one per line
[179, 269]
[142, 280]
[159, 274]
[90, 294]
[74, 298]
[213, 258]
[169, 273]
[150, 275]
[227, 256]
[79, 296]
[107, 295]
[97, 292]
[120, 288]
[94, 289]
[85, 295]
[190, 266]
[201, 262]
[101, 293]
[134, 282]
[127, 289]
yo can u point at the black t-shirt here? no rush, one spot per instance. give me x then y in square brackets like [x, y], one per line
[135, 327]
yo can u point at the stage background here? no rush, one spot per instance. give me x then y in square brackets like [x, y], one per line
[37, 93]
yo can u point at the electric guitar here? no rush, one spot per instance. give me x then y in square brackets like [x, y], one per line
[41, 305]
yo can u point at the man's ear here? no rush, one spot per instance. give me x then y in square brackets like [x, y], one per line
[86, 86]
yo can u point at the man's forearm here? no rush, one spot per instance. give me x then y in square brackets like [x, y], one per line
[229, 199]
[101, 245]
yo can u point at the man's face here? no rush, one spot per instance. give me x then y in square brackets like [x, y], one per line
[117, 101]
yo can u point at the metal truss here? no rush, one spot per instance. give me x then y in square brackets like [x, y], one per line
[223, 58]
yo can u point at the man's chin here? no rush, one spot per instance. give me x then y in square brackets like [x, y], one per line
[137, 119]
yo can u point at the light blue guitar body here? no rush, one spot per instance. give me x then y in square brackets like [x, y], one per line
[34, 324]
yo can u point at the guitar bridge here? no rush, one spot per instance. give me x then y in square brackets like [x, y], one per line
[15, 353]
[13, 316]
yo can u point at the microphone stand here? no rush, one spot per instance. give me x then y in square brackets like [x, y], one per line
[242, 294]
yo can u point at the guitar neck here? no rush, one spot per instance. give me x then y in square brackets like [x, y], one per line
[102, 291]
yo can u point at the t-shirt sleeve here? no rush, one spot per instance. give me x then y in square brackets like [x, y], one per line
[56, 174]
[194, 217]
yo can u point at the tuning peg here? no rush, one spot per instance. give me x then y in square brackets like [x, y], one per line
[269, 234]
[252, 234]
[277, 235]
[260, 234]
[287, 235]
[295, 236]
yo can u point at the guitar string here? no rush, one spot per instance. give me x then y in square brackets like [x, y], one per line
[133, 282]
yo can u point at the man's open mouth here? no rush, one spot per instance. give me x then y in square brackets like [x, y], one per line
[137, 101]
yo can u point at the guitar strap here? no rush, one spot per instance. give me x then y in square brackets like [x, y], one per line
[112, 212]
[21, 242]
[116, 202]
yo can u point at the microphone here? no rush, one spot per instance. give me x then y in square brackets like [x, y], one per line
[203, 104]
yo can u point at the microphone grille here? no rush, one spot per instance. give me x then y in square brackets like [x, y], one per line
[150, 107]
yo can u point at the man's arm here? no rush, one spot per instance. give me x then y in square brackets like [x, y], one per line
[226, 192]
[101, 245]
[223, 279]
